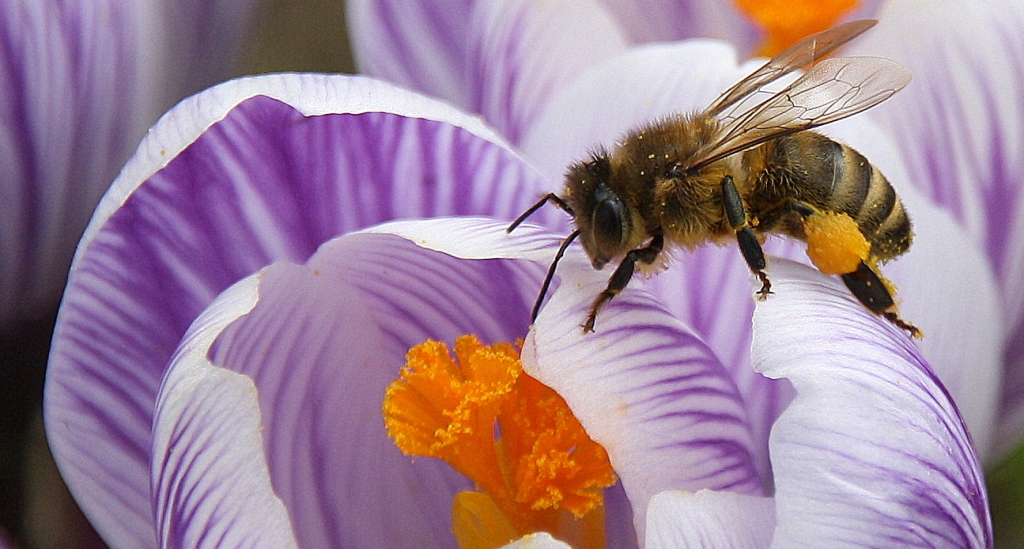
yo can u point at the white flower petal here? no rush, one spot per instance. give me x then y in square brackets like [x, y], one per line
[677, 520]
[872, 451]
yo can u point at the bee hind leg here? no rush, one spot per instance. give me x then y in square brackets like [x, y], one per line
[863, 282]
[749, 245]
[871, 290]
[622, 275]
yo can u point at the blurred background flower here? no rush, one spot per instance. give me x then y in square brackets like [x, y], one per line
[82, 81]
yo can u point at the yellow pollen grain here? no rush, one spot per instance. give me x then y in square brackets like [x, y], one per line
[835, 243]
[786, 21]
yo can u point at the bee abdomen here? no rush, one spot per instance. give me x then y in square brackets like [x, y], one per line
[814, 169]
[866, 195]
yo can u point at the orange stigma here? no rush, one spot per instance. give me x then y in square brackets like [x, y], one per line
[535, 467]
[786, 21]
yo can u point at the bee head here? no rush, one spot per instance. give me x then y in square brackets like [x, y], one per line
[600, 214]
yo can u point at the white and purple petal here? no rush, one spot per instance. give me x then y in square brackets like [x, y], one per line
[245, 174]
[419, 45]
[872, 451]
[69, 115]
[680, 520]
[211, 484]
[522, 52]
[960, 127]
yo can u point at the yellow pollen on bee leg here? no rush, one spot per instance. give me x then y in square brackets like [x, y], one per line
[786, 21]
[835, 243]
[535, 467]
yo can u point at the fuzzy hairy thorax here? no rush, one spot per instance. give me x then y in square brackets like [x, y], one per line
[622, 198]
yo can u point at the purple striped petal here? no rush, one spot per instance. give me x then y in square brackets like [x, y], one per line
[211, 484]
[522, 52]
[872, 451]
[474, 238]
[216, 192]
[645, 387]
[959, 125]
[677, 520]
[69, 116]
[419, 45]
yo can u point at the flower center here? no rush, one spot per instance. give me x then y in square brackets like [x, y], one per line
[516, 439]
[786, 21]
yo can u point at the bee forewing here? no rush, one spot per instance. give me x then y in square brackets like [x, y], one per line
[800, 54]
[831, 90]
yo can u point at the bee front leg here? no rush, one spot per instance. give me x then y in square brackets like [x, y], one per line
[623, 273]
[750, 247]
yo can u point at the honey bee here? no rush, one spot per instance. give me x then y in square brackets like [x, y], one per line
[735, 171]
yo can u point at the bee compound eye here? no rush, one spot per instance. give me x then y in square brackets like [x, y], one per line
[609, 222]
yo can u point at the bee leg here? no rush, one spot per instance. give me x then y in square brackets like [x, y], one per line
[869, 289]
[551, 274]
[750, 247]
[550, 197]
[623, 273]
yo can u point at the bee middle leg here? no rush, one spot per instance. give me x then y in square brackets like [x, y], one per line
[622, 275]
[750, 247]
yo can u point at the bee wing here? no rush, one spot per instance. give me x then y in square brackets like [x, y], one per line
[831, 90]
[801, 54]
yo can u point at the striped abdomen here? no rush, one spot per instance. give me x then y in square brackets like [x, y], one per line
[811, 168]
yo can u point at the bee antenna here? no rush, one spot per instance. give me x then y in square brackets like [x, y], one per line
[550, 197]
[551, 270]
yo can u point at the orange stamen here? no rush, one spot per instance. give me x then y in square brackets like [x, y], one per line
[514, 437]
[786, 21]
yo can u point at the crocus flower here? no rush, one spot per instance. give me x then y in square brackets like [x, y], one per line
[236, 310]
[537, 70]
